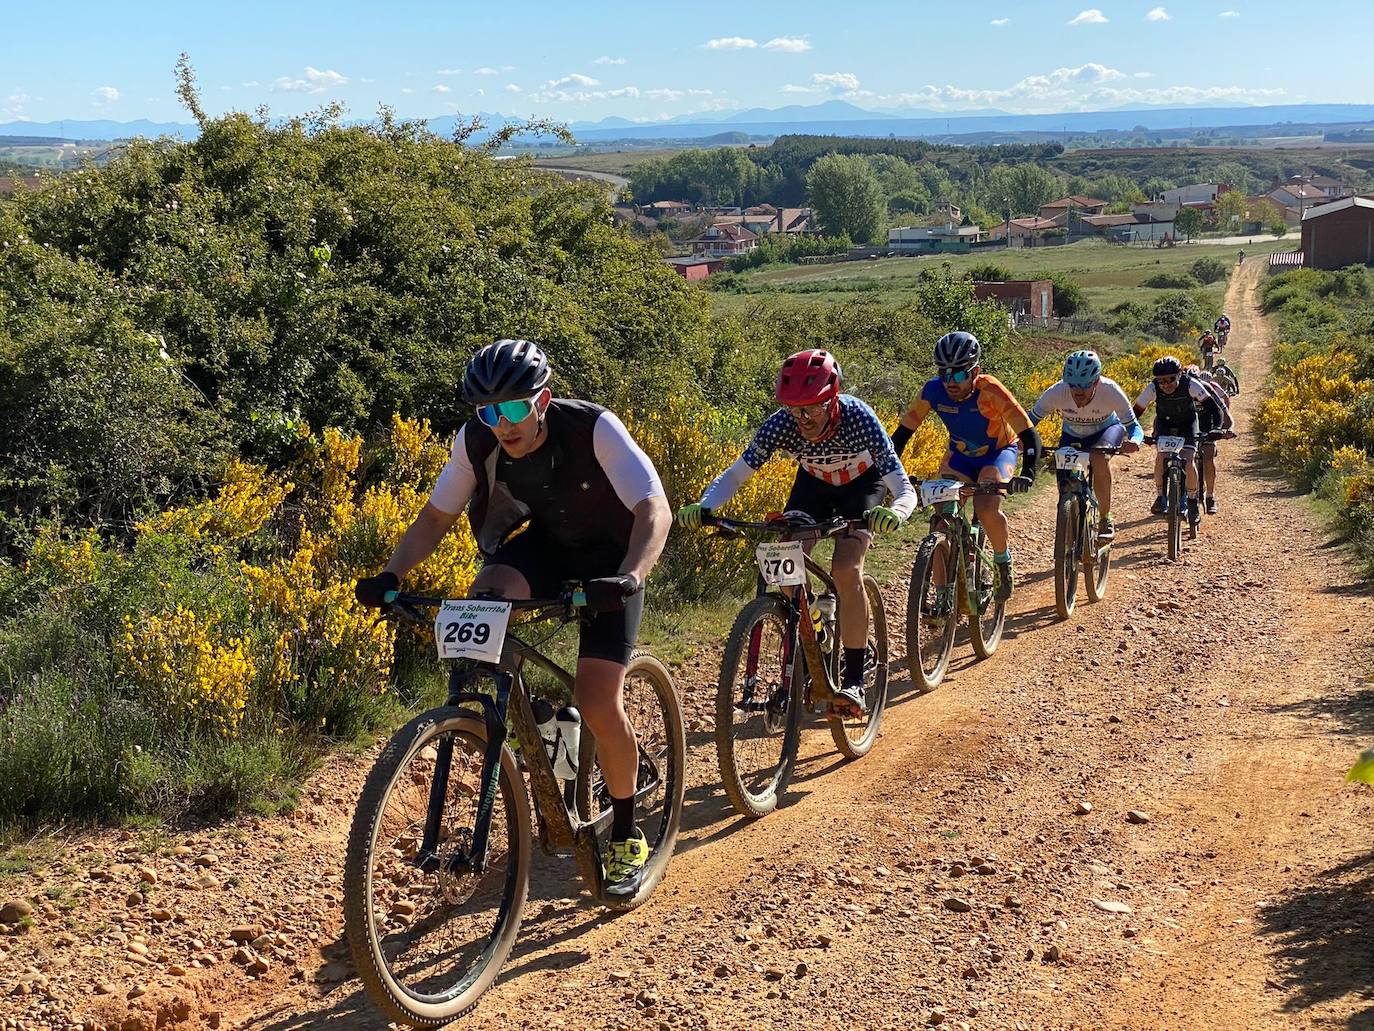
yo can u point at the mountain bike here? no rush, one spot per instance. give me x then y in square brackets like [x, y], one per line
[438, 859]
[1076, 546]
[1226, 376]
[763, 691]
[1176, 508]
[953, 574]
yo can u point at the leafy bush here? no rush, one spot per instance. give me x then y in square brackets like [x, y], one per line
[1174, 316]
[1209, 270]
[989, 272]
[779, 250]
[1171, 281]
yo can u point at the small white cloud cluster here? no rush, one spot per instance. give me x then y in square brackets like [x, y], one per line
[313, 81]
[784, 44]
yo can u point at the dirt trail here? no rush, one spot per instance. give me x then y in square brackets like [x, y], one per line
[1221, 695]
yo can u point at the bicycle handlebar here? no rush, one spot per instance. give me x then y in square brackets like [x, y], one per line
[967, 489]
[1209, 435]
[407, 606]
[784, 527]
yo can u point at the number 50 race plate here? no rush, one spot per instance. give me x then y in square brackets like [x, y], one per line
[472, 628]
[782, 563]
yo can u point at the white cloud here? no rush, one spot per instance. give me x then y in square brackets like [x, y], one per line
[1158, 14]
[15, 103]
[1229, 14]
[846, 83]
[511, 87]
[368, 81]
[314, 81]
[665, 94]
[105, 95]
[731, 43]
[1088, 87]
[575, 79]
[1092, 16]
[249, 84]
[485, 71]
[449, 71]
[481, 93]
[788, 45]
[609, 60]
[441, 88]
[1000, 21]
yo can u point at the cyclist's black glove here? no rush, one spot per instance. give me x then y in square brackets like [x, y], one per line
[901, 437]
[372, 590]
[1031, 450]
[609, 593]
[1019, 484]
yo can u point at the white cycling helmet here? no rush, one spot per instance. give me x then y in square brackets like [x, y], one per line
[1082, 369]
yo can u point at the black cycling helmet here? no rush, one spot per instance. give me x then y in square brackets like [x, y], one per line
[508, 370]
[1168, 366]
[957, 350]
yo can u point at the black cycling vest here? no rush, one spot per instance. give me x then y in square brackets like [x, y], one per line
[1176, 409]
[562, 491]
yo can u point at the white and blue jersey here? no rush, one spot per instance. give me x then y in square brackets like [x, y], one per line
[1109, 406]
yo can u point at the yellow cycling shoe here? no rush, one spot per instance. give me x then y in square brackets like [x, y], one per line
[625, 862]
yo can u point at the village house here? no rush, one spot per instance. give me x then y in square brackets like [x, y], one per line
[1033, 298]
[932, 239]
[1059, 211]
[696, 267]
[1023, 232]
[730, 238]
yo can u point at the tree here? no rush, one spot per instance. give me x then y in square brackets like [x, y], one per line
[1275, 223]
[1189, 222]
[1231, 210]
[1155, 185]
[846, 197]
[1234, 175]
[1027, 186]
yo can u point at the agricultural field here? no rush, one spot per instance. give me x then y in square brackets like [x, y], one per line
[1109, 274]
[616, 162]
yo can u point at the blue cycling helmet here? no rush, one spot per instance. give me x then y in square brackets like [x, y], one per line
[1082, 369]
[956, 351]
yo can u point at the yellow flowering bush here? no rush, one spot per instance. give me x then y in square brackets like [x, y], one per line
[68, 562]
[1312, 410]
[186, 675]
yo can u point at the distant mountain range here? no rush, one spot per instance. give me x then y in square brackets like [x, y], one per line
[834, 117]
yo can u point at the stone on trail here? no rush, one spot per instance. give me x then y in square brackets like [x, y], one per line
[957, 905]
[1137, 816]
[1083, 808]
[1109, 906]
[15, 910]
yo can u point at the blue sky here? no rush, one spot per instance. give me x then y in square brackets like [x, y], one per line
[573, 61]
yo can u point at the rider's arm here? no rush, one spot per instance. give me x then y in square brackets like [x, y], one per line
[647, 537]
[1146, 398]
[1121, 405]
[451, 494]
[1044, 406]
[1203, 396]
[760, 449]
[888, 464]
[636, 483]
[910, 422]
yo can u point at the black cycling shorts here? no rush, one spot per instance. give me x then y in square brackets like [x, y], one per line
[547, 564]
[1187, 430]
[822, 501]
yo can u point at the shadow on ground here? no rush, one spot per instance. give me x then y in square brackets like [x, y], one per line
[1321, 933]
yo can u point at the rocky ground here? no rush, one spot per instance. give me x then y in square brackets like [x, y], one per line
[1132, 819]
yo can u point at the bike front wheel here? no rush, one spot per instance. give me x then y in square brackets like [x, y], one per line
[651, 704]
[429, 931]
[990, 614]
[1174, 499]
[1066, 555]
[758, 707]
[932, 612]
[855, 737]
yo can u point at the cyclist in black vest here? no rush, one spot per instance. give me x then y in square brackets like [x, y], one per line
[1206, 424]
[1177, 398]
[596, 512]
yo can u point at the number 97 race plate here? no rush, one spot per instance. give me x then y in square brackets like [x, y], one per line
[471, 628]
[781, 563]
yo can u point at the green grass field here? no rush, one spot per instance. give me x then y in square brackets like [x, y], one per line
[1109, 274]
[617, 162]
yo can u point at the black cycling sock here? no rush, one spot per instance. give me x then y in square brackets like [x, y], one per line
[854, 666]
[623, 822]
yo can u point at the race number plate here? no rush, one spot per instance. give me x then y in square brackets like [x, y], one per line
[933, 492]
[1071, 459]
[781, 563]
[471, 628]
[1170, 445]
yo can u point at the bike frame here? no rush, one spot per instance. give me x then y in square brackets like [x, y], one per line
[959, 525]
[1081, 485]
[561, 826]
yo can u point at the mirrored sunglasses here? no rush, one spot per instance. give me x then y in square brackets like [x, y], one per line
[955, 375]
[512, 411]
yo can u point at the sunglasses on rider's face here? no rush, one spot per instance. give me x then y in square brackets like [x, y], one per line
[512, 411]
[1166, 381]
[955, 375]
[809, 413]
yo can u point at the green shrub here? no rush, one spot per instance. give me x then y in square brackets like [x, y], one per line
[1171, 281]
[1209, 270]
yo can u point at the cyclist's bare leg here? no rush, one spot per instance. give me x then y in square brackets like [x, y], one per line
[600, 697]
[1159, 473]
[502, 581]
[1209, 467]
[989, 510]
[1102, 481]
[847, 570]
[1190, 468]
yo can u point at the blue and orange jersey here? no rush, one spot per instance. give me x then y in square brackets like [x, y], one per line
[988, 420]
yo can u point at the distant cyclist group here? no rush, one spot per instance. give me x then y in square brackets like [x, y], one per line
[569, 514]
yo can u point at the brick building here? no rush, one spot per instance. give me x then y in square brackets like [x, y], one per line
[1339, 233]
[1033, 297]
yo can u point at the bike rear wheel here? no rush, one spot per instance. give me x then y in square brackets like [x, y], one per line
[989, 617]
[855, 737]
[758, 718]
[1097, 562]
[651, 704]
[1066, 554]
[428, 939]
[932, 612]
[1173, 497]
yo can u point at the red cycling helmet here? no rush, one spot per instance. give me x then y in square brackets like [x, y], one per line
[808, 378]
